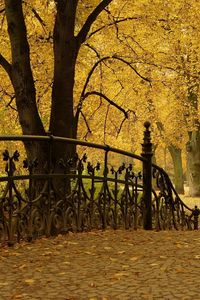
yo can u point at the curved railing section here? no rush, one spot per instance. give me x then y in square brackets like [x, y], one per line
[168, 209]
[86, 195]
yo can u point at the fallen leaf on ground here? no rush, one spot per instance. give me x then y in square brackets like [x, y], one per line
[181, 270]
[72, 243]
[38, 270]
[154, 264]
[47, 253]
[107, 248]
[90, 253]
[61, 273]
[18, 296]
[92, 284]
[22, 267]
[134, 258]
[121, 252]
[179, 245]
[29, 281]
[125, 266]
[3, 283]
[113, 259]
[16, 254]
[121, 274]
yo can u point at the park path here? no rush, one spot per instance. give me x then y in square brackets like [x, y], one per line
[103, 266]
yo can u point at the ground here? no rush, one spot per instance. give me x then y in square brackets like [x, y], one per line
[103, 265]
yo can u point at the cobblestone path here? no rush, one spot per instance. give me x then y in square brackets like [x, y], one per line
[104, 266]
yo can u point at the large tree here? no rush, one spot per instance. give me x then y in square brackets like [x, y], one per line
[67, 41]
[73, 25]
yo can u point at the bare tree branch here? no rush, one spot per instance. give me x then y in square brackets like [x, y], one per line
[93, 49]
[107, 99]
[11, 96]
[111, 24]
[11, 100]
[122, 123]
[103, 59]
[87, 125]
[6, 65]
[105, 123]
[134, 69]
[82, 35]
[36, 14]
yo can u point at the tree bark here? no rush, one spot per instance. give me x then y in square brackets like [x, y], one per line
[193, 163]
[193, 145]
[22, 78]
[178, 168]
[62, 121]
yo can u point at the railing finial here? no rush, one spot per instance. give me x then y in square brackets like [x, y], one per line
[147, 124]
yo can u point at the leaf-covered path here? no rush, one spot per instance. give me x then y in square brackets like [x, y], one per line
[104, 265]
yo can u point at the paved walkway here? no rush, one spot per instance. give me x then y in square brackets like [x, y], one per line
[104, 266]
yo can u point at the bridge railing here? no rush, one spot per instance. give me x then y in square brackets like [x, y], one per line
[84, 195]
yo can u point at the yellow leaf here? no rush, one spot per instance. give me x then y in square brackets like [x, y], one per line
[18, 296]
[29, 281]
[121, 252]
[125, 266]
[92, 284]
[22, 267]
[113, 259]
[72, 243]
[134, 258]
[66, 263]
[120, 274]
[180, 270]
[3, 283]
[89, 253]
[154, 264]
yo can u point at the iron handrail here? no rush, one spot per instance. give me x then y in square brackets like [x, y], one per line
[51, 138]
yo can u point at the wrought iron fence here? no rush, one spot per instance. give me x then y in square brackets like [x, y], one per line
[94, 195]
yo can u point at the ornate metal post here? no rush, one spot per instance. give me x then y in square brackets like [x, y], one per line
[147, 177]
[105, 174]
[196, 213]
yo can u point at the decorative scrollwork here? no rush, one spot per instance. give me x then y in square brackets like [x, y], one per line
[92, 197]
[170, 211]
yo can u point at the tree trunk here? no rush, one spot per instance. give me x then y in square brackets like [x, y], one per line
[178, 168]
[193, 163]
[22, 79]
[66, 47]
